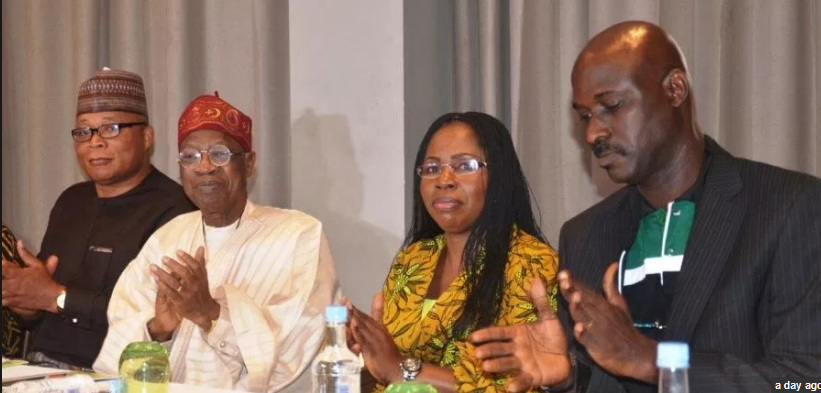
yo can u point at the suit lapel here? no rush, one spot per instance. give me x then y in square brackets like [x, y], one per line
[719, 215]
[613, 235]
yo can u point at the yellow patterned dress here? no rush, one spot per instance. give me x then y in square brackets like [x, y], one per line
[429, 336]
[12, 335]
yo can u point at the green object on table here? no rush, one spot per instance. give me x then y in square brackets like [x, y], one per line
[144, 368]
[13, 362]
[410, 387]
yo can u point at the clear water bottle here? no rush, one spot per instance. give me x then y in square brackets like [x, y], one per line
[673, 360]
[336, 369]
[80, 383]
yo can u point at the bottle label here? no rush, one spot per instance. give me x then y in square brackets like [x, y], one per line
[341, 388]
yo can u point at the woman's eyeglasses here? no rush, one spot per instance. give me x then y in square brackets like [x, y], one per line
[432, 170]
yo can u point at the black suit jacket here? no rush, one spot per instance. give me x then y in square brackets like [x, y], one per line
[748, 297]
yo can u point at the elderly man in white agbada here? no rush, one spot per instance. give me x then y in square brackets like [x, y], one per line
[236, 291]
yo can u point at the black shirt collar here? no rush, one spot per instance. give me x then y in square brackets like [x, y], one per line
[147, 182]
[640, 206]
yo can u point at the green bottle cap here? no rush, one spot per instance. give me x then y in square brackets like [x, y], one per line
[410, 387]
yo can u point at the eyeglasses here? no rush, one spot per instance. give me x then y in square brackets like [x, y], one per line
[218, 154]
[105, 131]
[433, 170]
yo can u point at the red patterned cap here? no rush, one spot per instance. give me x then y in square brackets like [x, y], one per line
[210, 112]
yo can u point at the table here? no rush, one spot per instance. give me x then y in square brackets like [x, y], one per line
[23, 372]
[18, 373]
[180, 388]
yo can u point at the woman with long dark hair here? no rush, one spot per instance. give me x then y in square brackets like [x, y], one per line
[472, 248]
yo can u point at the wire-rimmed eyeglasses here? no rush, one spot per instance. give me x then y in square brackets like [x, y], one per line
[432, 170]
[218, 154]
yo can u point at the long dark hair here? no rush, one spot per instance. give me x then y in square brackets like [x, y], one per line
[507, 202]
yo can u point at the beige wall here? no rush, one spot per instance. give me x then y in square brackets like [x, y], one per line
[347, 132]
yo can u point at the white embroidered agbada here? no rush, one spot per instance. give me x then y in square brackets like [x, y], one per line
[273, 278]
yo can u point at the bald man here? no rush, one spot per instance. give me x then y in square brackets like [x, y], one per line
[700, 246]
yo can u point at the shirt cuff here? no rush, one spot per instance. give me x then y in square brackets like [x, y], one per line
[78, 308]
[167, 344]
[222, 337]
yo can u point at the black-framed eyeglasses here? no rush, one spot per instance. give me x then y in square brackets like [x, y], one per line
[105, 131]
[218, 154]
[464, 167]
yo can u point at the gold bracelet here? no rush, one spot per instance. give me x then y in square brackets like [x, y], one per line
[213, 323]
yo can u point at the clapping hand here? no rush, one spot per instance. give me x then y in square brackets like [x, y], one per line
[30, 288]
[536, 352]
[186, 287]
[381, 355]
[166, 320]
[605, 328]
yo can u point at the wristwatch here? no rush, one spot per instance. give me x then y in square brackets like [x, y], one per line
[410, 368]
[61, 301]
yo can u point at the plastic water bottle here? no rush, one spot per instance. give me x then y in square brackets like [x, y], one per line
[673, 360]
[336, 369]
[80, 383]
